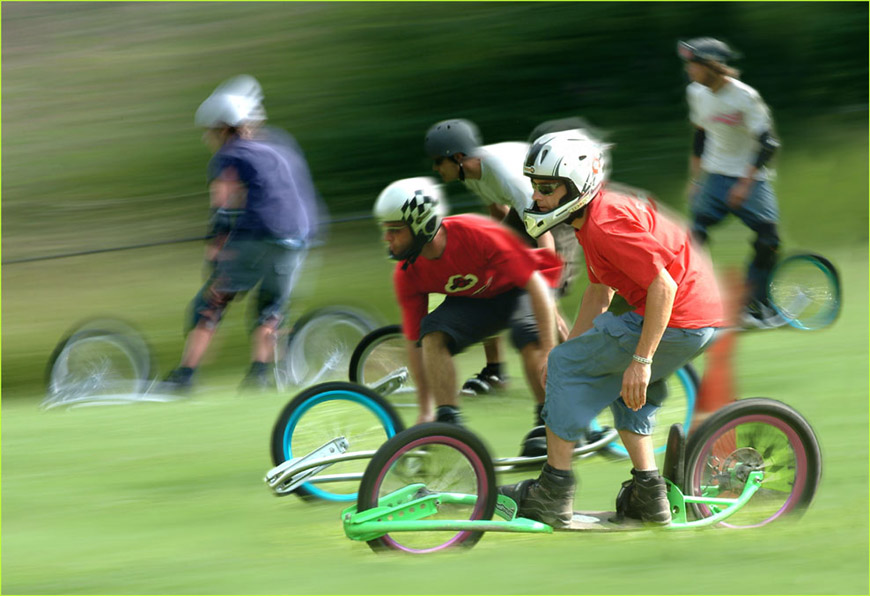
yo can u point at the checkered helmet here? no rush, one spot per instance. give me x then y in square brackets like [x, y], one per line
[574, 158]
[420, 203]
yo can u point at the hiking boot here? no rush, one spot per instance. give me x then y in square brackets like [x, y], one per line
[548, 499]
[644, 497]
[179, 380]
[484, 382]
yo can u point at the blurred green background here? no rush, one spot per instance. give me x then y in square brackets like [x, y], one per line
[99, 151]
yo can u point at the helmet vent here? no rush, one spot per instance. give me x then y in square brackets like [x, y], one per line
[544, 154]
[582, 157]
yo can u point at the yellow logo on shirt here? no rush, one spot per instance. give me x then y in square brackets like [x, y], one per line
[460, 283]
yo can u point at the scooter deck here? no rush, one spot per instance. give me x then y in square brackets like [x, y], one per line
[599, 521]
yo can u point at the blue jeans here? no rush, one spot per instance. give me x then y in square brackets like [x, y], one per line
[760, 213]
[584, 375]
[709, 203]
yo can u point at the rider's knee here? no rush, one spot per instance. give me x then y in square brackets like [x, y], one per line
[435, 340]
[207, 309]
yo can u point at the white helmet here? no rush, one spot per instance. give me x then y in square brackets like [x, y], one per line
[244, 85]
[420, 203]
[235, 102]
[574, 158]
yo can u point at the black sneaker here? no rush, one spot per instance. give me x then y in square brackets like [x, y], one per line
[259, 378]
[448, 415]
[548, 499]
[535, 442]
[644, 497]
[179, 380]
[484, 382]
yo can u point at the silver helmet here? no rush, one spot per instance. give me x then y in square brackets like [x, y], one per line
[574, 158]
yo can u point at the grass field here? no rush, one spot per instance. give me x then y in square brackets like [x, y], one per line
[98, 151]
[168, 498]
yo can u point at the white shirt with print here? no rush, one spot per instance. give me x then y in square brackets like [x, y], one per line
[501, 176]
[733, 118]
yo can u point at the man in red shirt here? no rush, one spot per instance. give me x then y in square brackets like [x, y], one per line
[616, 361]
[492, 282]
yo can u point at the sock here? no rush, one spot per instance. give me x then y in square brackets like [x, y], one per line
[493, 368]
[645, 475]
[560, 476]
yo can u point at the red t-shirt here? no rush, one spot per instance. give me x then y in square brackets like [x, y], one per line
[627, 242]
[482, 259]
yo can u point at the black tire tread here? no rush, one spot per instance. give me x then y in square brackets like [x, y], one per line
[398, 442]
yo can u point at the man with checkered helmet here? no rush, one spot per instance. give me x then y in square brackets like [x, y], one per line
[491, 279]
[493, 173]
[632, 248]
[733, 143]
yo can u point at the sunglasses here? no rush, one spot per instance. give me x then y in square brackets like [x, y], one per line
[546, 188]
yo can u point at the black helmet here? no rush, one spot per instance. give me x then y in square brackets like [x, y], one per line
[705, 49]
[449, 137]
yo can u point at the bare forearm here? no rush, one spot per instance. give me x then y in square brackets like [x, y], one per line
[544, 309]
[659, 304]
[546, 240]
[596, 300]
[497, 211]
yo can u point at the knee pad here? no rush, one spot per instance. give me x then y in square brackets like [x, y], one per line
[208, 306]
[766, 246]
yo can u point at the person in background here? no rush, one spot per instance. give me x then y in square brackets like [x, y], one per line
[733, 143]
[494, 174]
[265, 212]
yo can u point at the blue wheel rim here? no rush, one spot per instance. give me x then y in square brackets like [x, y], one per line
[834, 283]
[365, 401]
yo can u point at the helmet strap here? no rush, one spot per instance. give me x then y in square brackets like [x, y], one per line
[461, 169]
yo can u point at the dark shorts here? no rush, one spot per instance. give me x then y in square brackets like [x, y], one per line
[467, 321]
[242, 265]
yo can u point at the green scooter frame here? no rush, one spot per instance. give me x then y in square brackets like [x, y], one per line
[409, 507]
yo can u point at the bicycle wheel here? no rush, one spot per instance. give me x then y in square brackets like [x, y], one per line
[104, 361]
[678, 408]
[325, 412]
[805, 290]
[445, 458]
[380, 356]
[318, 347]
[754, 434]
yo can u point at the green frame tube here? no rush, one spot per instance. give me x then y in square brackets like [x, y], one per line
[406, 510]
